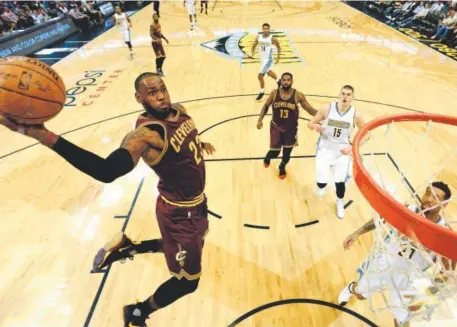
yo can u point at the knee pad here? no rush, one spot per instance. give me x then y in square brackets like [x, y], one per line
[340, 189]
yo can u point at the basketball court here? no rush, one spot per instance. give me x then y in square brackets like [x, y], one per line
[273, 244]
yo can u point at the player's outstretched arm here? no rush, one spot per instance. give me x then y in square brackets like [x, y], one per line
[305, 104]
[317, 118]
[369, 226]
[359, 122]
[117, 164]
[265, 108]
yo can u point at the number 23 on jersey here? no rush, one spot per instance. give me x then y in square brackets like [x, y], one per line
[196, 147]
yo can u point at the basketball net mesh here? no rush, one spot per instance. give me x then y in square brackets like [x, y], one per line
[405, 158]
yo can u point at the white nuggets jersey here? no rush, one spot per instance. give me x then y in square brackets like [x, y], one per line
[121, 21]
[337, 128]
[410, 252]
[265, 46]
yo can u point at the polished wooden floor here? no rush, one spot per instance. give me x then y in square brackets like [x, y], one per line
[54, 218]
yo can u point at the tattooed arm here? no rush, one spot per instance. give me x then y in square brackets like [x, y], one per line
[369, 226]
[301, 98]
[117, 164]
[265, 108]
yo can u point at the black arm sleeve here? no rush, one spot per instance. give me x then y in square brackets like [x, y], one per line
[117, 164]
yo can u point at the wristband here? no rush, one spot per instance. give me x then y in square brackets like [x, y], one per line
[50, 139]
[23, 130]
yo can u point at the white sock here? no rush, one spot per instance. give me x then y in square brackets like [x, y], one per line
[262, 90]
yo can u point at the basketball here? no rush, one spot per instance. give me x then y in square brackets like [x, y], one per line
[31, 92]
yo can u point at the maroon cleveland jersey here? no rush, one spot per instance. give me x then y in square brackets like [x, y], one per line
[180, 166]
[285, 112]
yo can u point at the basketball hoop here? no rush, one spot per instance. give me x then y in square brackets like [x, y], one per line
[429, 234]
[413, 291]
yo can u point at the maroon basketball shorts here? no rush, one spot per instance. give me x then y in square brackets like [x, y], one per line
[183, 231]
[158, 49]
[282, 137]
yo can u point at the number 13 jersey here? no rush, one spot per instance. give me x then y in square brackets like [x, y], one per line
[338, 128]
[180, 166]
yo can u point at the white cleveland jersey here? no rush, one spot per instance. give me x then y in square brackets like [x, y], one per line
[337, 128]
[412, 252]
[265, 46]
[121, 21]
[190, 3]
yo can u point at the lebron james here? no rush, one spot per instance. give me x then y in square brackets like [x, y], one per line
[166, 138]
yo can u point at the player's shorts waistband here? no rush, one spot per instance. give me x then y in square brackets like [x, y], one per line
[190, 203]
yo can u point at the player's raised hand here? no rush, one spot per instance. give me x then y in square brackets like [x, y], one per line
[38, 131]
[259, 124]
[208, 147]
[347, 150]
[349, 241]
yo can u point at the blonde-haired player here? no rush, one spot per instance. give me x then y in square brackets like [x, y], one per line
[123, 23]
[334, 146]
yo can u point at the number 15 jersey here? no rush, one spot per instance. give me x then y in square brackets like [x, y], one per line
[338, 128]
[180, 166]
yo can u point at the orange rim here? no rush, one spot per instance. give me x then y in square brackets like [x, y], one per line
[434, 237]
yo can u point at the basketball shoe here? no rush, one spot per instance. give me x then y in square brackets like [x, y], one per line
[119, 248]
[266, 162]
[260, 96]
[346, 294]
[340, 208]
[133, 316]
[282, 171]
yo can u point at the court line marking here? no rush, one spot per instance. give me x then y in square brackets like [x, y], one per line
[297, 301]
[307, 224]
[106, 272]
[348, 204]
[279, 5]
[256, 226]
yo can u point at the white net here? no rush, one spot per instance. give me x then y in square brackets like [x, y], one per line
[400, 274]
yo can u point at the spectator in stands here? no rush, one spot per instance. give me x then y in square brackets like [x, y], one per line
[444, 25]
[4, 28]
[53, 10]
[9, 18]
[81, 20]
[436, 7]
[404, 9]
[394, 6]
[36, 17]
[28, 19]
[420, 12]
[95, 16]
[62, 8]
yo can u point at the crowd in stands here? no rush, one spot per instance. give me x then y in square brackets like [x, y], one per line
[20, 15]
[435, 19]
